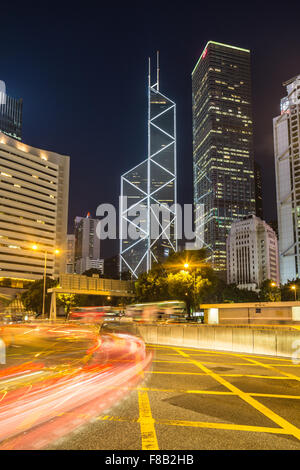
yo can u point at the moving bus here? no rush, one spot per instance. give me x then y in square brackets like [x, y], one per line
[166, 311]
[95, 314]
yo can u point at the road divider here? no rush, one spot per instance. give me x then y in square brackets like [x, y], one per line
[270, 340]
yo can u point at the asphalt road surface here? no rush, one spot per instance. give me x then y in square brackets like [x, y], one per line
[200, 399]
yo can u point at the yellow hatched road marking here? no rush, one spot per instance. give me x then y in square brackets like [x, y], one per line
[149, 439]
[288, 427]
[212, 392]
[232, 427]
[200, 424]
[220, 375]
[221, 353]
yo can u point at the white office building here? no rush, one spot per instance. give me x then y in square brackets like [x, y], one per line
[286, 130]
[252, 253]
[34, 193]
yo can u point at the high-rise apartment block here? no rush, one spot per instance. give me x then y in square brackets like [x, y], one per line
[34, 192]
[286, 131]
[87, 244]
[222, 144]
[252, 253]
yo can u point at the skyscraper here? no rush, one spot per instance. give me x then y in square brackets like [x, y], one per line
[11, 110]
[222, 144]
[34, 189]
[150, 188]
[286, 130]
[87, 244]
[258, 190]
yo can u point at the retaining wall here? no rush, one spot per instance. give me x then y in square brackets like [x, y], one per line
[274, 341]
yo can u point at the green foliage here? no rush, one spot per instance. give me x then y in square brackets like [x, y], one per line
[32, 298]
[269, 293]
[67, 301]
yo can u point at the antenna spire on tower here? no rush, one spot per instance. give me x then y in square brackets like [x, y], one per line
[157, 62]
[149, 72]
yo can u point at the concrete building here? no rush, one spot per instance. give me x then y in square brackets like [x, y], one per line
[286, 131]
[87, 244]
[84, 264]
[34, 192]
[70, 254]
[222, 144]
[252, 253]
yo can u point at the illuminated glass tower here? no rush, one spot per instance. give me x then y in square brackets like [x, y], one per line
[150, 189]
[222, 144]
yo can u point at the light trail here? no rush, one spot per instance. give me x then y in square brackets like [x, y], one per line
[37, 395]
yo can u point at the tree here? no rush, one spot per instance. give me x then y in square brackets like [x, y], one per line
[269, 291]
[187, 287]
[32, 298]
[67, 301]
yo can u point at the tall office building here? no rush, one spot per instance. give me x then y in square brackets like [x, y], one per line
[222, 144]
[34, 190]
[286, 131]
[11, 110]
[87, 244]
[252, 253]
[150, 187]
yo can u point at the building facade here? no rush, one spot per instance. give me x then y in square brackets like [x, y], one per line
[258, 190]
[87, 244]
[150, 189]
[286, 132]
[70, 254]
[252, 253]
[34, 192]
[222, 144]
[11, 112]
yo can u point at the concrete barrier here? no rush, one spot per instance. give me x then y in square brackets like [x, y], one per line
[268, 340]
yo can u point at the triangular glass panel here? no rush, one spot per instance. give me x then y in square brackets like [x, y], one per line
[166, 158]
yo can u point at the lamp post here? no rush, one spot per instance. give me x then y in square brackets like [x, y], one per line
[56, 252]
[186, 266]
[293, 287]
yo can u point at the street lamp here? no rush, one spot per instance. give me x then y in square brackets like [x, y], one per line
[55, 252]
[186, 266]
[293, 287]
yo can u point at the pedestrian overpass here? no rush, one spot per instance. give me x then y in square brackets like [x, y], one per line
[85, 285]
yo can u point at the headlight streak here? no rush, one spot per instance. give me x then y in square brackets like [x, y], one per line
[63, 392]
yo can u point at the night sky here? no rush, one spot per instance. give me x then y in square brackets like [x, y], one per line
[82, 73]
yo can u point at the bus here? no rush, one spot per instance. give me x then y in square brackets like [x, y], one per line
[95, 314]
[164, 311]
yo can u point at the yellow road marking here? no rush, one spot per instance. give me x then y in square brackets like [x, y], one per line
[288, 427]
[200, 424]
[220, 375]
[221, 353]
[149, 439]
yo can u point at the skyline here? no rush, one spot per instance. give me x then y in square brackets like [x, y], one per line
[75, 70]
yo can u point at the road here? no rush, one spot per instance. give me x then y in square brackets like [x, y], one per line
[63, 388]
[201, 400]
